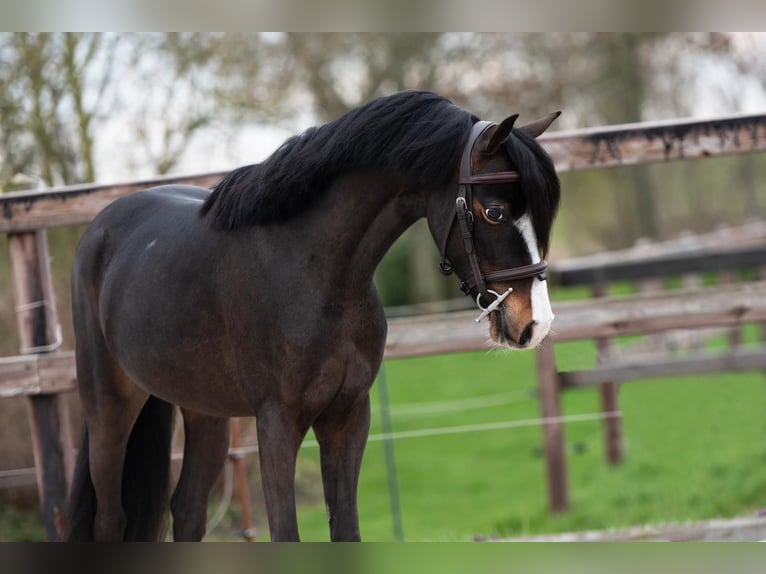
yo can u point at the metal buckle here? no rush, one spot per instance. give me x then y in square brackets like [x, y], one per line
[492, 306]
[460, 201]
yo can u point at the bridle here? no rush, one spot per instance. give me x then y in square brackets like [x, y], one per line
[465, 218]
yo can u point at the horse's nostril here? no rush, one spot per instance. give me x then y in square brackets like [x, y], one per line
[526, 334]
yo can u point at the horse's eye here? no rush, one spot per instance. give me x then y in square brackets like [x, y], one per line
[495, 213]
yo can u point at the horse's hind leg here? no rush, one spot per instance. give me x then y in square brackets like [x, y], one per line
[111, 405]
[206, 444]
[342, 434]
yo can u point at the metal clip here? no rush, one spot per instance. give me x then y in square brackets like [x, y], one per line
[492, 306]
[460, 202]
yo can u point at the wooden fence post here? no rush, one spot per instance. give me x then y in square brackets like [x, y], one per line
[735, 334]
[40, 332]
[610, 399]
[553, 428]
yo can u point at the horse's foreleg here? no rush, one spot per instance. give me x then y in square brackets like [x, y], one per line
[278, 441]
[206, 444]
[342, 436]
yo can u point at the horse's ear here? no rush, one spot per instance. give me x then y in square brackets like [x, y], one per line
[500, 134]
[537, 127]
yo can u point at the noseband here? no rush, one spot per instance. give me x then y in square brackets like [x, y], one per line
[465, 218]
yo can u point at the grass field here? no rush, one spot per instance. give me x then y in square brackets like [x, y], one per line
[695, 449]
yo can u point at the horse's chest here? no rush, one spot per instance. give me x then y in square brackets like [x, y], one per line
[336, 367]
[338, 381]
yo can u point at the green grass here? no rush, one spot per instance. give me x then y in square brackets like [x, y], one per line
[694, 446]
[20, 525]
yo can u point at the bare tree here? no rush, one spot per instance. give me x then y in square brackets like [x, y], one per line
[53, 92]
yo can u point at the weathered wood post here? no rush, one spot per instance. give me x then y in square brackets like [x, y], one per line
[40, 332]
[610, 398]
[553, 427]
[736, 334]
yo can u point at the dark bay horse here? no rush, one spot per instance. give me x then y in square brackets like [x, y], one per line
[258, 299]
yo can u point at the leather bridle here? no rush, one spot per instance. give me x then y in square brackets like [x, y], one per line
[465, 218]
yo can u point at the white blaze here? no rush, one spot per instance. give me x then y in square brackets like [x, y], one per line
[542, 314]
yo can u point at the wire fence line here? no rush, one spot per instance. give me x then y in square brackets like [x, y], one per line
[420, 433]
[399, 435]
[440, 407]
[227, 493]
[458, 429]
[15, 477]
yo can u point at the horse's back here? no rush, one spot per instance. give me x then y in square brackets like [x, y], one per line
[170, 207]
[158, 204]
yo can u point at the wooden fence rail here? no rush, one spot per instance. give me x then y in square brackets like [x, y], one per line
[725, 254]
[652, 142]
[77, 204]
[629, 144]
[440, 333]
[41, 374]
[588, 319]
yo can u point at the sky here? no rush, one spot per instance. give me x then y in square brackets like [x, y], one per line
[219, 148]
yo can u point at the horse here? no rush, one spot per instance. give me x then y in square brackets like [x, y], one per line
[257, 299]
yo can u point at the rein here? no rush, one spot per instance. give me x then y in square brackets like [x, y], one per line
[465, 218]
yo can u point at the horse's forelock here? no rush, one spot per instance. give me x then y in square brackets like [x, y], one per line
[539, 182]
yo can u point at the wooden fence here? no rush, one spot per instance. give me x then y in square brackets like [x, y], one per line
[41, 372]
[659, 313]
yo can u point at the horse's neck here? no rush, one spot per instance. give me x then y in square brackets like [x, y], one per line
[355, 225]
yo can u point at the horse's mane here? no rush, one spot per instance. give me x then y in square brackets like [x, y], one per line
[539, 181]
[415, 134]
[419, 135]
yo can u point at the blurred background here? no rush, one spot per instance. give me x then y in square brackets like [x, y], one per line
[106, 107]
[113, 107]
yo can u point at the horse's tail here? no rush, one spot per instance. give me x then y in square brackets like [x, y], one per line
[145, 479]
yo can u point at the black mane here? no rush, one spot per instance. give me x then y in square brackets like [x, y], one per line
[418, 135]
[540, 184]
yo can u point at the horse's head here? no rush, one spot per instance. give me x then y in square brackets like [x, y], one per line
[493, 228]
